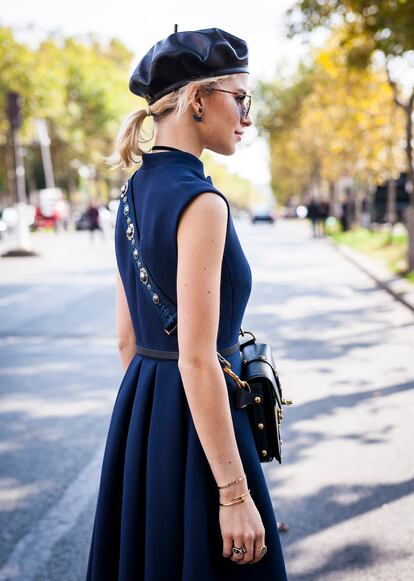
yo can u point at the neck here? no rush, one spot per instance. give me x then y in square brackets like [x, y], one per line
[179, 134]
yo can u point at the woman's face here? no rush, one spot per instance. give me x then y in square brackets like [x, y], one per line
[223, 124]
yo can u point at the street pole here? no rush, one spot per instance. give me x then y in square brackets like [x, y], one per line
[22, 228]
[44, 141]
[22, 234]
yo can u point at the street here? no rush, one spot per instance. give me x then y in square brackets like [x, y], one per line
[345, 355]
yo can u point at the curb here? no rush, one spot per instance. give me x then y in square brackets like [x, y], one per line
[397, 287]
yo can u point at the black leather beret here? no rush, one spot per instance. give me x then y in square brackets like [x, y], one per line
[186, 56]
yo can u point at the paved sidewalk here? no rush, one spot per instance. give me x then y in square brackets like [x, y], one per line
[400, 289]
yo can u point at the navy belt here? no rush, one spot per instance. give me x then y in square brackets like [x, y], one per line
[158, 354]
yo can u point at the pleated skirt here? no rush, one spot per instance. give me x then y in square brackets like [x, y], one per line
[157, 513]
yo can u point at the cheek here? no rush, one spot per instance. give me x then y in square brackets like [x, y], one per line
[225, 118]
[230, 115]
[228, 109]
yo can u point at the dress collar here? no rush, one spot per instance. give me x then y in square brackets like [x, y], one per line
[161, 157]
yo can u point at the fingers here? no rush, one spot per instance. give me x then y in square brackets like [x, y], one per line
[259, 542]
[238, 542]
[227, 545]
[244, 548]
[249, 546]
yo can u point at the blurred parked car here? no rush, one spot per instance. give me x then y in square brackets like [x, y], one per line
[9, 217]
[52, 210]
[81, 221]
[3, 225]
[107, 218]
[262, 214]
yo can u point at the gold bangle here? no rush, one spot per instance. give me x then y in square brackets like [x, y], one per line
[236, 500]
[241, 495]
[233, 482]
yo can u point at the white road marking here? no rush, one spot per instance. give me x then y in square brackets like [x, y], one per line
[35, 549]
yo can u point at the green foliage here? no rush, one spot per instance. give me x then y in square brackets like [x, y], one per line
[280, 101]
[78, 87]
[380, 246]
[388, 23]
[16, 64]
[330, 120]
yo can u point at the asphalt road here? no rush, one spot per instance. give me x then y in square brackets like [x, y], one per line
[345, 355]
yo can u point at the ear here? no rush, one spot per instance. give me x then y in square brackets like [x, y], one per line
[196, 100]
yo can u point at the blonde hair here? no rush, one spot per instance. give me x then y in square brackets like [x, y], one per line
[131, 135]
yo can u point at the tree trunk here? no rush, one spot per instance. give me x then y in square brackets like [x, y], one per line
[410, 180]
[10, 171]
[408, 110]
[391, 207]
[409, 145]
[410, 228]
[332, 198]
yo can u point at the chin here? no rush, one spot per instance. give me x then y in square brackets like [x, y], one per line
[224, 149]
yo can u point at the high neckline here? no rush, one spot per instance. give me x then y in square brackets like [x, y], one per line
[155, 159]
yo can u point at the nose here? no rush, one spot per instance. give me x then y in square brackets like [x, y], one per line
[246, 121]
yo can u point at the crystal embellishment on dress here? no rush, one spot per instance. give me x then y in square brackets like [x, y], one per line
[143, 275]
[130, 232]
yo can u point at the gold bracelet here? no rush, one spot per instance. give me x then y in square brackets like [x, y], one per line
[236, 500]
[233, 482]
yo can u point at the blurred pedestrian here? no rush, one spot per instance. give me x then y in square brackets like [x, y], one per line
[182, 494]
[95, 224]
[322, 216]
[365, 213]
[313, 215]
[345, 213]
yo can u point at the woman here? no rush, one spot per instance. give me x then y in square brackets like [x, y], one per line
[182, 493]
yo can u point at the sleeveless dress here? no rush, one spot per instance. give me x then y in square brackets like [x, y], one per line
[157, 513]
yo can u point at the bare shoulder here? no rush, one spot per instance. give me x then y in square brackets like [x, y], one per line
[200, 241]
[208, 209]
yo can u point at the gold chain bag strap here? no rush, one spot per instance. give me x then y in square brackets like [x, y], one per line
[260, 390]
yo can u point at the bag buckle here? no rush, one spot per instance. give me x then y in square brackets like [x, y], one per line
[243, 333]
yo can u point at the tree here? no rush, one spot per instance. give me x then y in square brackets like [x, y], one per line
[373, 28]
[330, 121]
[79, 87]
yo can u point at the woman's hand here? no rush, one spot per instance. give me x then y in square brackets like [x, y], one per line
[241, 524]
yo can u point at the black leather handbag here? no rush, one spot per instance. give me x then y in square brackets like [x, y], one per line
[260, 389]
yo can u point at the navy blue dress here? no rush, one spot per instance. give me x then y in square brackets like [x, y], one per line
[157, 514]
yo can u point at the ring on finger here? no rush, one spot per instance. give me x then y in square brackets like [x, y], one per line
[263, 549]
[237, 551]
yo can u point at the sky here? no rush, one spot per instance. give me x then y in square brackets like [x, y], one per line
[260, 23]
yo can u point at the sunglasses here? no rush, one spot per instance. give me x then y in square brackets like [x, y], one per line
[244, 100]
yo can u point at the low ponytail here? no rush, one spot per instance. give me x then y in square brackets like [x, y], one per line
[130, 137]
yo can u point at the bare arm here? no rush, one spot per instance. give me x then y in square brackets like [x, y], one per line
[124, 328]
[200, 240]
